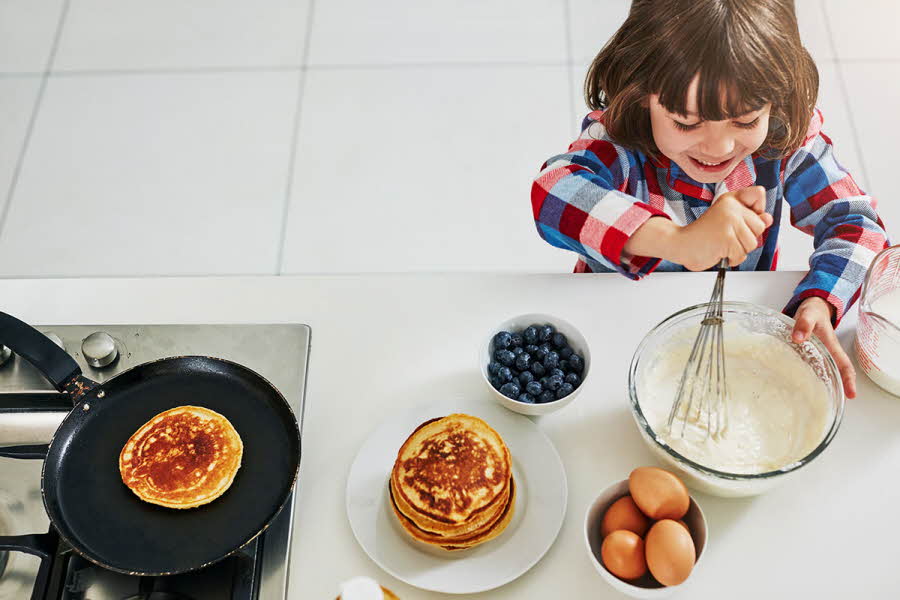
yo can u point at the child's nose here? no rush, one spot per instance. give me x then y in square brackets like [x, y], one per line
[718, 146]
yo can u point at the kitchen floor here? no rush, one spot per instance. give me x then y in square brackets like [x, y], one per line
[218, 137]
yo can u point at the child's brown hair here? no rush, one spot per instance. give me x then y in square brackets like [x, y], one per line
[748, 49]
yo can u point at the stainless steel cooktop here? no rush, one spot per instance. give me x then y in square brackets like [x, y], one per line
[259, 572]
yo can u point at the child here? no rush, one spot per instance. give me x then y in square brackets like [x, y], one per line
[697, 97]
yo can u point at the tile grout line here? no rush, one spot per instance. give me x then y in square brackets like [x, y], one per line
[295, 136]
[567, 13]
[846, 94]
[283, 68]
[175, 71]
[39, 98]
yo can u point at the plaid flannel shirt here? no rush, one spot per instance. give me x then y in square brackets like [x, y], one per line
[594, 197]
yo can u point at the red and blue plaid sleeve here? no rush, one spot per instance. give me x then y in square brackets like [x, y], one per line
[579, 203]
[826, 203]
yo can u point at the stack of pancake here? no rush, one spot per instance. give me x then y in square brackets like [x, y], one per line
[451, 486]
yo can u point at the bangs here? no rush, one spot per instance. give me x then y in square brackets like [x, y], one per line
[738, 72]
[720, 95]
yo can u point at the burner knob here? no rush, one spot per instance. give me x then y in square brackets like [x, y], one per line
[5, 353]
[55, 339]
[99, 349]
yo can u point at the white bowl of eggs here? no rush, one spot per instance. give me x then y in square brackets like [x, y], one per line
[645, 535]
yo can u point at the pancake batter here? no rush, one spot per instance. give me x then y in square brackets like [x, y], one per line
[778, 409]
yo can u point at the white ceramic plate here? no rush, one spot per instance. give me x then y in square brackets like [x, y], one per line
[540, 504]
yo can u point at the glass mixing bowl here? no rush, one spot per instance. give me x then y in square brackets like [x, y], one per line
[758, 319]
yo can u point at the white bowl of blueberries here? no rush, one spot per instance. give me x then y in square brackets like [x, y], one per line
[535, 364]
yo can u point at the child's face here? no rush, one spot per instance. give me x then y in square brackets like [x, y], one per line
[694, 144]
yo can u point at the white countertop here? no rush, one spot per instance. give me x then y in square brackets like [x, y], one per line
[381, 343]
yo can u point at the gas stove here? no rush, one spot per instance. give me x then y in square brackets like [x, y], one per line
[258, 571]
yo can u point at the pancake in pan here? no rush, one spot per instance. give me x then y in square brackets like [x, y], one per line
[182, 458]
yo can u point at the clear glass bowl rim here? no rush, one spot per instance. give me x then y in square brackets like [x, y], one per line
[740, 307]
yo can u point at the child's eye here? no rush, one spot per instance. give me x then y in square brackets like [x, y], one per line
[749, 125]
[684, 126]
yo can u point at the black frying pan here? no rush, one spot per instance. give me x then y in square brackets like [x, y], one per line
[102, 519]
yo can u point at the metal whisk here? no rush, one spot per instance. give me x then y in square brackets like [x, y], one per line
[703, 380]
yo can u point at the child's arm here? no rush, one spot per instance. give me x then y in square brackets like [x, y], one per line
[847, 232]
[579, 204]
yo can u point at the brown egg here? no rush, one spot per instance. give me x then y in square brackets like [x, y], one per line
[623, 554]
[670, 552]
[624, 514]
[658, 493]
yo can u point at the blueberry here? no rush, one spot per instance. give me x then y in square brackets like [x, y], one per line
[516, 340]
[502, 340]
[493, 367]
[523, 360]
[525, 377]
[564, 366]
[576, 363]
[534, 388]
[559, 340]
[551, 361]
[540, 353]
[564, 390]
[574, 379]
[496, 383]
[505, 357]
[510, 390]
[538, 368]
[557, 371]
[565, 352]
[504, 374]
[527, 399]
[554, 383]
[546, 332]
[531, 349]
[517, 350]
[530, 334]
[547, 396]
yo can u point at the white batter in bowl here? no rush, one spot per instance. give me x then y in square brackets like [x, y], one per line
[785, 400]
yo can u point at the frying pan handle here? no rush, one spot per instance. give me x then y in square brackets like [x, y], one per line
[32, 345]
[38, 451]
[42, 545]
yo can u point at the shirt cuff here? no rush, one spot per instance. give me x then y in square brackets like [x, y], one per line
[833, 301]
[613, 244]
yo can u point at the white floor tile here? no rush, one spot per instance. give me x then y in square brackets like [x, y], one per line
[153, 174]
[814, 31]
[429, 170]
[592, 23]
[865, 30]
[351, 32]
[27, 29]
[874, 95]
[580, 108]
[17, 98]
[165, 34]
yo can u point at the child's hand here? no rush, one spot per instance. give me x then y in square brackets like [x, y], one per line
[730, 229]
[814, 316]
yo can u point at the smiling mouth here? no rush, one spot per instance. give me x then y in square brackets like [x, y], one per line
[710, 166]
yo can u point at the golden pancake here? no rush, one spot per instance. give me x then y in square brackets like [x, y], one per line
[452, 476]
[182, 458]
[489, 532]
